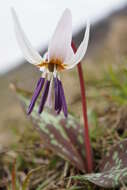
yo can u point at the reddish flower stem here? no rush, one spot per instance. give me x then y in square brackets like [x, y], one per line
[84, 108]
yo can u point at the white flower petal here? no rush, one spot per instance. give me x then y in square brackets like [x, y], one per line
[29, 53]
[81, 50]
[44, 59]
[61, 39]
[45, 56]
[69, 56]
[42, 69]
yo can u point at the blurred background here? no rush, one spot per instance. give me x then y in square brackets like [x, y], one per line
[107, 46]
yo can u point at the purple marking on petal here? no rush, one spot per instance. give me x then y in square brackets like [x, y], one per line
[56, 88]
[36, 94]
[64, 104]
[44, 96]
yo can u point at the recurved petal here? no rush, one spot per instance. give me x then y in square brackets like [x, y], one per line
[61, 39]
[45, 56]
[28, 51]
[70, 55]
[81, 50]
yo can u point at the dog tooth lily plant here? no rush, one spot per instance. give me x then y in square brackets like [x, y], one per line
[59, 57]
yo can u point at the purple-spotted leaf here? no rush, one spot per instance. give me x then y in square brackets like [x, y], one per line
[113, 168]
[61, 135]
[116, 157]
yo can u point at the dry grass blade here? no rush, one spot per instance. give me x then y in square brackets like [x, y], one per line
[14, 176]
[25, 184]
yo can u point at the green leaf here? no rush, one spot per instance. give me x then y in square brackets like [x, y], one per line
[63, 136]
[113, 168]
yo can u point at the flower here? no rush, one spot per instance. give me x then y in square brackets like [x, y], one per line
[59, 57]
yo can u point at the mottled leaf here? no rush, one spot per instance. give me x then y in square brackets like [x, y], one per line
[61, 135]
[116, 157]
[113, 168]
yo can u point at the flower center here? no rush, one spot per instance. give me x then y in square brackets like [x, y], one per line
[51, 67]
[54, 63]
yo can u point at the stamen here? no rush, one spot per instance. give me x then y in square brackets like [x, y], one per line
[36, 94]
[59, 98]
[56, 88]
[44, 96]
[64, 104]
